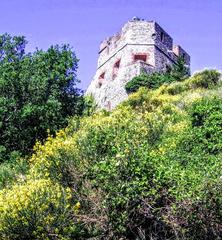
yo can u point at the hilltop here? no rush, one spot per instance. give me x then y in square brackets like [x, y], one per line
[150, 169]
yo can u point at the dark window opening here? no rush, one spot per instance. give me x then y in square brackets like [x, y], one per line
[117, 64]
[162, 37]
[101, 79]
[154, 36]
[116, 68]
[140, 57]
[102, 76]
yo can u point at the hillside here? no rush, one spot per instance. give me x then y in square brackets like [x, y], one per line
[150, 169]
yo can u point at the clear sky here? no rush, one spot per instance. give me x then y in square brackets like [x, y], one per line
[194, 24]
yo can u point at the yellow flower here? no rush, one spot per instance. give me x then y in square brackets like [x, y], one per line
[78, 205]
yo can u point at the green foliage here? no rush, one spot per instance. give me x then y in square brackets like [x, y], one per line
[177, 72]
[151, 81]
[90, 105]
[12, 171]
[176, 88]
[37, 93]
[205, 79]
[206, 118]
[150, 169]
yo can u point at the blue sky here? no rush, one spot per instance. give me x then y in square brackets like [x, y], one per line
[194, 24]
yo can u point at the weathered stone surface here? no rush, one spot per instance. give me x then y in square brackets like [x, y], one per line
[140, 46]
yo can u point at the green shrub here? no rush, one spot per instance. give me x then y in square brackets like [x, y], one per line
[205, 79]
[176, 88]
[151, 81]
[206, 118]
[200, 219]
[12, 171]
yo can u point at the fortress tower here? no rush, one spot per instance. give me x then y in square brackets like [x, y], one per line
[140, 46]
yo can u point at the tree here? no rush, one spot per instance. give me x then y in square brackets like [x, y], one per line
[179, 70]
[37, 93]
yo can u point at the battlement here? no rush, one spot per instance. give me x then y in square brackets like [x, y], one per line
[140, 45]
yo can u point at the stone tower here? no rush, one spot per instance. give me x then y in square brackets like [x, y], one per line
[140, 46]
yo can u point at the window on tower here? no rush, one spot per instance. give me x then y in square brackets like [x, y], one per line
[101, 79]
[162, 37]
[116, 68]
[140, 57]
[102, 75]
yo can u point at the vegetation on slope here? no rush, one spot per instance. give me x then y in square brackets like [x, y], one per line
[151, 169]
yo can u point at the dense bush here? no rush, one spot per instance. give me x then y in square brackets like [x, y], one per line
[205, 79]
[151, 81]
[206, 119]
[151, 169]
